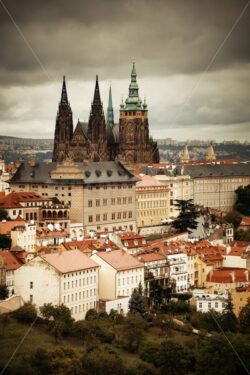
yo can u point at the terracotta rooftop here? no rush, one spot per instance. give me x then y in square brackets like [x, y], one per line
[7, 226]
[120, 260]
[11, 262]
[69, 261]
[229, 275]
[150, 257]
[14, 200]
[100, 244]
[150, 181]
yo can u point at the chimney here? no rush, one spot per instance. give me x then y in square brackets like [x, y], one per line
[247, 275]
[233, 276]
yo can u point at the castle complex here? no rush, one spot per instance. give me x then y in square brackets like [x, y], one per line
[103, 140]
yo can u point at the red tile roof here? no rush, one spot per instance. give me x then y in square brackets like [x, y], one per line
[69, 261]
[14, 200]
[7, 226]
[120, 260]
[11, 262]
[150, 257]
[229, 275]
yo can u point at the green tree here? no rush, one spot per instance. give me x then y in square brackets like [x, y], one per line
[58, 317]
[228, 320]
[102, 363]
[187, 218]
[244, 318]
[233, 217]
[217, 355]
[133, 330]
[243, 200]
[4, 293]
[142, 369]
[5, 241]
[150, 353]
[62, 361]
[4, 215]
[91, 314]
[26, 313]
[138, 303]
[173, 358]
[242, 235]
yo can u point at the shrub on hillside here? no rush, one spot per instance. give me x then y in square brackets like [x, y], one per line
[26, 313]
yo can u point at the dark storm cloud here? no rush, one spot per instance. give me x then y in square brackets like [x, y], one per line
[80, 38]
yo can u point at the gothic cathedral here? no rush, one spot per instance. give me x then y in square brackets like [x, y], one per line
[100, 140]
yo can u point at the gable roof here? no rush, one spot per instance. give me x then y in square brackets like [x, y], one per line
[120, 260]
[14, 200]
[11, 262]
[69, 261]
[7, 226]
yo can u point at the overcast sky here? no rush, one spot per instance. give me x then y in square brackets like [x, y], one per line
[171, 41]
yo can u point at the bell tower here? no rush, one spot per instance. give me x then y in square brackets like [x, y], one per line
[64, 127]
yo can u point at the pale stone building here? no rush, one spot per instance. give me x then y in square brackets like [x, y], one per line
[181, 187]
[101, 195]
[119, 275]
[67, 277]
[152, 199]
[210, 185]
[11, 264]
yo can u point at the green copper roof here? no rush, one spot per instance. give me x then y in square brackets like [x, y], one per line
[110, 112]
[133, 101]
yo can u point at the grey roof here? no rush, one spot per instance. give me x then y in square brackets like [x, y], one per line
[201, 170]
[216, 170]
[93, 172]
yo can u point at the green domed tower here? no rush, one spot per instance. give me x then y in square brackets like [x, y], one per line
[136, 146]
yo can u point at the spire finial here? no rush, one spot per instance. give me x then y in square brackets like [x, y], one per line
[110, 112]
[97, 97]
[64, 96]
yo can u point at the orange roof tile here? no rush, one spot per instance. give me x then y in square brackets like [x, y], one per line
[11, 262]
[150, 257]
[69, 261]
[229, 275]
[13, 200]
[120, 260]
[7, 226]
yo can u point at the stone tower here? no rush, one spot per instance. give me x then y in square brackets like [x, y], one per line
[97, 133]
[135, 144]
[64, 127]
[210, 154]
[185, 155]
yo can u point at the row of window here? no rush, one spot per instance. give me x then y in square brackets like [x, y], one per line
[151, 213]
[112, 201]
[73, 274]
[105, 187]
[113, 216]
[78, 296]
[152, 204]
[84, 307]
[209, 305]
[129, 280]
[79, 282]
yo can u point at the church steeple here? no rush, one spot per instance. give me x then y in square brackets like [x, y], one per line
[110, 112]
[64, 96]
[97, 96]
[64, 127]
[133, 101]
